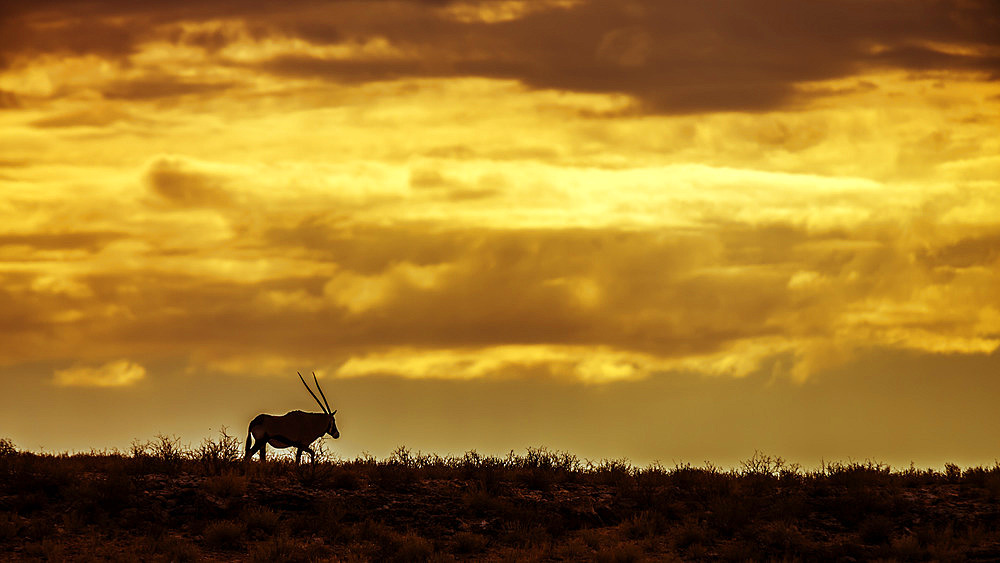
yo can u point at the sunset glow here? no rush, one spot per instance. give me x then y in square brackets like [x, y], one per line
[428, 200]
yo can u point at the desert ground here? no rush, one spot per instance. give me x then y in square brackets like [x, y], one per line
[165, 502]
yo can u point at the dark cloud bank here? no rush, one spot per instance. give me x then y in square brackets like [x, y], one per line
[674, 57]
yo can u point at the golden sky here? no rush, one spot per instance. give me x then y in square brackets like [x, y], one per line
[675, 231]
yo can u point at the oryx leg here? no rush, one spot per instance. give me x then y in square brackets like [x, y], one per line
[259, 446]
[298, 454]
[248, 447]
[251, 449]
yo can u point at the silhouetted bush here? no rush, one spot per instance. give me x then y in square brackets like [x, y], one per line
[164, 454]
[109, 493]
[622, 553]
[468, 543]
[219, 455]
[876, 529]
[260, 519]
[645, 525]
[229, 486]
[345, 479]
[280, 549]
[162, 501]
[406, 548]
[225, 535]
[175, 548]
[7, 448]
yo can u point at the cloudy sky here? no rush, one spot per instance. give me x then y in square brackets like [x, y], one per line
[675, 231]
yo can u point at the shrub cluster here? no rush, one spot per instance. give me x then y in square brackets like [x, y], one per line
[162, 500]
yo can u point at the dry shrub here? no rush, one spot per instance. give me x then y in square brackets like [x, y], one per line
[644, 525]
[74, 521]
[39, 480]
[374, 532]
[168, 449]
[47, 549]
[480, 502]
[7, 447]
[691, 532]
[607, 512]
[540, 469]
[394, 475]
[410, 548]
[260, 519]
[174, 548]
[594, 538]
[224, 534]
[539, 479]
[875, 529]
[986, 479]
[469, 543]
[731, 513]
[858, 475]
[780, 538]
[762, 464]
[9, 528]
[621, 553]
[391, 545]
[946, 543]
[524, 534]
[616, 472]
[486, 471]
[907, 547]
[279, 549]
[329, 520]
[217, 455]
[226, 486]
[573, 550]
[345, 479]
[109, 493]
[952, 473]
[164, 454]
[951, 552]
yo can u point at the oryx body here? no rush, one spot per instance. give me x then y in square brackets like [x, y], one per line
[295, 429]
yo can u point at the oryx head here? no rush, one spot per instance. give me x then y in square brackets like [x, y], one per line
[331, 428]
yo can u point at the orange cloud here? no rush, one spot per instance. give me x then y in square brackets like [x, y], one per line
[118, 373]
[440, 181]
[179, 183]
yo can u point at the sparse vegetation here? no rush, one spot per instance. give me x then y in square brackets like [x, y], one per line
[163, 501]
[225, 535]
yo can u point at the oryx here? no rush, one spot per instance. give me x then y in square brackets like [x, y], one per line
[294, 429]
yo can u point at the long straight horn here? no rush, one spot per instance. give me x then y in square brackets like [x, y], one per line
[321, 393]
[313, 394]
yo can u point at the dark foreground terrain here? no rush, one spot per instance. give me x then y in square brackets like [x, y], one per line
[163, 502]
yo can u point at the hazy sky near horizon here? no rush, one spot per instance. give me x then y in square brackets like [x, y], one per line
[644, 229]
